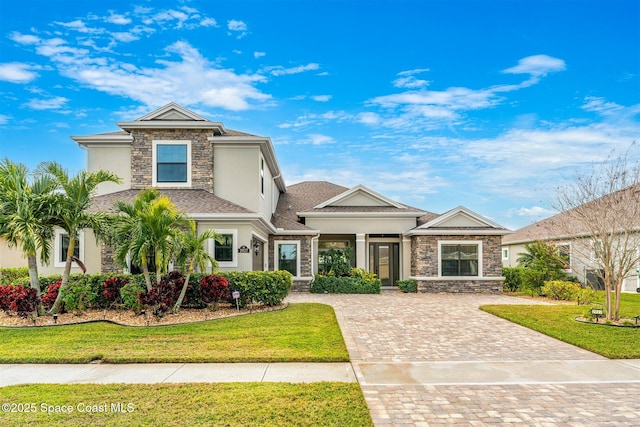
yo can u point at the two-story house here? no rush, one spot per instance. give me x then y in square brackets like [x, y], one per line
[230, 181]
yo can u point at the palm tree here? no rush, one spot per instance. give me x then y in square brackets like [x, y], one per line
[129, 232]
[194, 254]
[151, 226]
[72, 209]
[25, 215]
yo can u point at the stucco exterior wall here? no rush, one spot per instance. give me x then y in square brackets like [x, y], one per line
[361, 225]
[115, 159]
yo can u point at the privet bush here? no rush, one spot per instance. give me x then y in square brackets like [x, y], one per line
[344, 285]
[409, 285]
[560, 290]
[512, 278]
[266, 287]
[9, 276]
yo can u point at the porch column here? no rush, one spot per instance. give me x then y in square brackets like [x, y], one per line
[405, 257]
[361, 250]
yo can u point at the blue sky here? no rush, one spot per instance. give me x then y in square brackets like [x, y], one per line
[486, 104]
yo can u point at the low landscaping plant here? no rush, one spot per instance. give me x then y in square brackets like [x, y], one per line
[512, 278]
[560, 290]
[214, 289]
[344, 285]
[20, 300]
[266, 287]
[10, 276]
[50, 295]
[407, 286]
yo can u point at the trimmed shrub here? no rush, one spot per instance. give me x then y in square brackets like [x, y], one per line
[76, 296]
[344, 285]
[10, 276]
[586, 295]
[130, 295]
[51, 294]
[267, 287]
[18, 299]
[409, 285]
[213, 289]
[361, 273]
[111, 289]
[164, 294]
[512, 278]
[560, 290]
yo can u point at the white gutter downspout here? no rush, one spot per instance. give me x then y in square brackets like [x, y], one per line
[313, 258]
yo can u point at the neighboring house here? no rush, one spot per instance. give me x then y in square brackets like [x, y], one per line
[576, 248]
[230, 181]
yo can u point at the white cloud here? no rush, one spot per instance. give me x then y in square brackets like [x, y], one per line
[208, 22]
[369, 118]
[408, 80]
[532, 212]
[189, 80]
[234, 25]
[322, 98]
[117, 19]
[125, 37]
[258, 54]
[24, 38]
[600, 105]
[4, 119]
[537, 65]
[80, 26]
[318, 139]
[282, 71]
[17, 72]
[46, 104]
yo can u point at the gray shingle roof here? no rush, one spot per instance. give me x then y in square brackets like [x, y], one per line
[187, 200]
[304, 196]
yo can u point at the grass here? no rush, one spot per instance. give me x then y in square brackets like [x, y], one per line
[558, 321]
[300, 333]
[264, 404]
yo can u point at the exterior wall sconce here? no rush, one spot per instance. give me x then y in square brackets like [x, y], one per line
[256, 247]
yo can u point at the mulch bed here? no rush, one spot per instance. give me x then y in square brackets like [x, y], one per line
[129, 318]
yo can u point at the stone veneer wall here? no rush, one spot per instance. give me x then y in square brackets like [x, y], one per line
[424, 263]
[201, 155]
[108, 263]
[305, 260]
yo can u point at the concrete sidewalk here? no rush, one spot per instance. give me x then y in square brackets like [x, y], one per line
[153, 373]
[367, 374]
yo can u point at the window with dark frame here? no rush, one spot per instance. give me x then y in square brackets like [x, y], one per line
[288, 258]
[171, 163]
[459, 259]
[223, 249]
[64, 248]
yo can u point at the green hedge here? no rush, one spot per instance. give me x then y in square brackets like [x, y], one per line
[9, 276]
[344, 285]
[267, 287]
[407, 286]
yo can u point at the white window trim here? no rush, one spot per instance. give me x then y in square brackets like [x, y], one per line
[57, 242]
[154, 163]
[234, 247]
[460, 242]
[276, 250]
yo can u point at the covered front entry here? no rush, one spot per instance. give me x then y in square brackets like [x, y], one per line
[384, 261]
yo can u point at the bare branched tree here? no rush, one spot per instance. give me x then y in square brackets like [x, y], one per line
[600, 216]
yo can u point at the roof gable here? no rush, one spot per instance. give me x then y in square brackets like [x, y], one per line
[460, 220]
[171, 111]
[360, 196]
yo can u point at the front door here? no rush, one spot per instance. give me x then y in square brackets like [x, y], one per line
[384, 262]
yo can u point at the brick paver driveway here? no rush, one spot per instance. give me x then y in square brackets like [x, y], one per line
[428, 359]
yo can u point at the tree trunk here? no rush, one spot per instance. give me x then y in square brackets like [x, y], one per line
[34, 280]
[183, 291]
[65, 275]
[607, 292]
[617, 302]
[147, 276]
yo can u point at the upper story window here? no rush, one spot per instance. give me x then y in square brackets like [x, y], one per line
[172, 163]
[262, 176]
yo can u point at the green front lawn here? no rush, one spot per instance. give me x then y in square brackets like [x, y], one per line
[300, 333]
[558, 321]
[245, 404]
